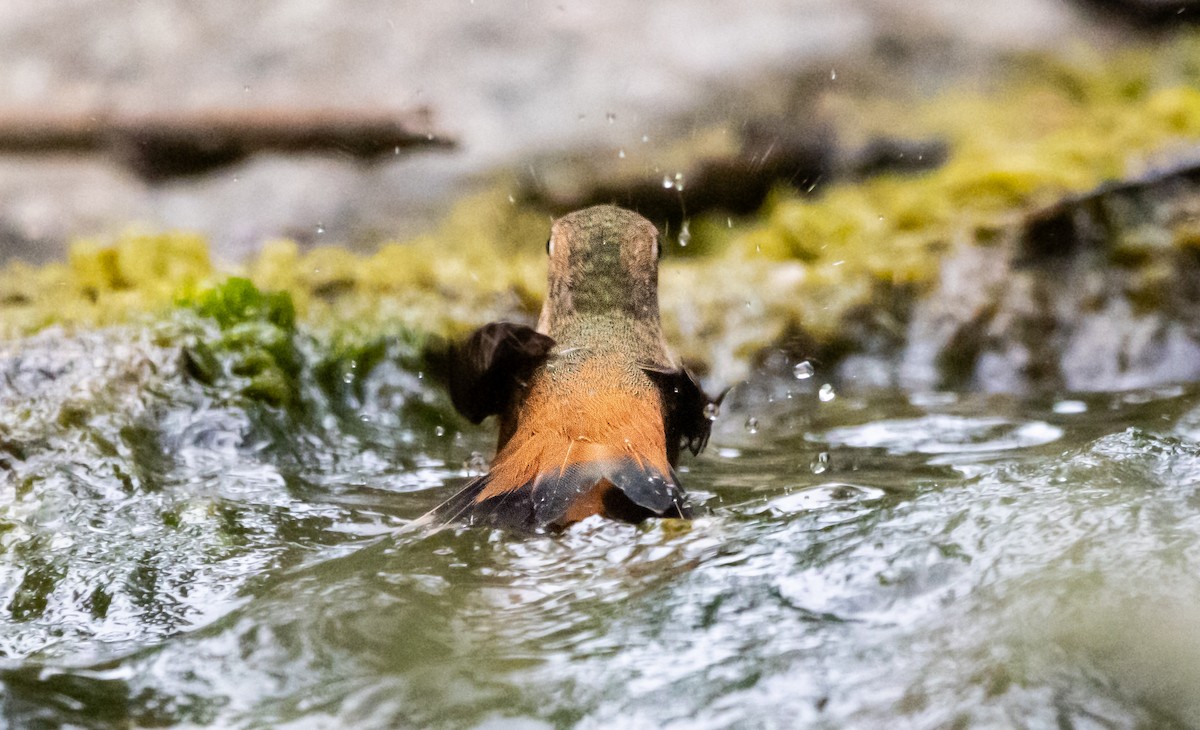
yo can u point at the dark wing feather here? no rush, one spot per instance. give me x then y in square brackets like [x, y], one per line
[483, 371]
[640, 492]
[636, 494]
[512, 510]
[686, 414]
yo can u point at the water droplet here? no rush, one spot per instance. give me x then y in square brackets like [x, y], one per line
[833, 74]
[820, 464]
[668, 183]
[729, 223]
[396, 151]
[621, 153]
[803, 370]
[826, 394]
[645, 138]
[679, 181]
[439, 431]
[685, 235]
[320, 229]
[610, 117]
[246, 89]
[752, 425]
[711, 411]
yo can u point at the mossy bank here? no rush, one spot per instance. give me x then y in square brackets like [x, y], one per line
[849, 275]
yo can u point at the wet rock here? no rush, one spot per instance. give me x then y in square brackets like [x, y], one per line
[1112, 213]
[1100, 291]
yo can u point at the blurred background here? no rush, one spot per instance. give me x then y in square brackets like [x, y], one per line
[177, 114]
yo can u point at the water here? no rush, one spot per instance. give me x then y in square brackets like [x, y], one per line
[175, 554]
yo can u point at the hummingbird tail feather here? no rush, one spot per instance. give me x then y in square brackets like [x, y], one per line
[512, 510]
[591, 479]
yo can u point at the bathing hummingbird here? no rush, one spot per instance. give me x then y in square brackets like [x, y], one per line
[593, 409]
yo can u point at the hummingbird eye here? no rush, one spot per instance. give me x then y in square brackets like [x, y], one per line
[549, 246]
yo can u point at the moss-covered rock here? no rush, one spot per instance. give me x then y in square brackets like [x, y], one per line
[808, 269]
[254, 340]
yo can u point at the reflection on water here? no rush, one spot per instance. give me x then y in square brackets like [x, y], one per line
[172, 555]
[942, 434]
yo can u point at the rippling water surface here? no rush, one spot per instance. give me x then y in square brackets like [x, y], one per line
[171, 555]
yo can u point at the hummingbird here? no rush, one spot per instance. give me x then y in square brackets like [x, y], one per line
[593, 409]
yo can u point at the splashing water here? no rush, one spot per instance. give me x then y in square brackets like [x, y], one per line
[803, 370]
[180, 549]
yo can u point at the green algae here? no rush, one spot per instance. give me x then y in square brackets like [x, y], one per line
[103, 283]
[256, 341]
[438, 282]
[238, 302]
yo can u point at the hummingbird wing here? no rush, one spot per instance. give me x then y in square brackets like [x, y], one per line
[483, 371]
[687, 415]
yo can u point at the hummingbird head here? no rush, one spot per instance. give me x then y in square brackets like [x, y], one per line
[603, 262]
